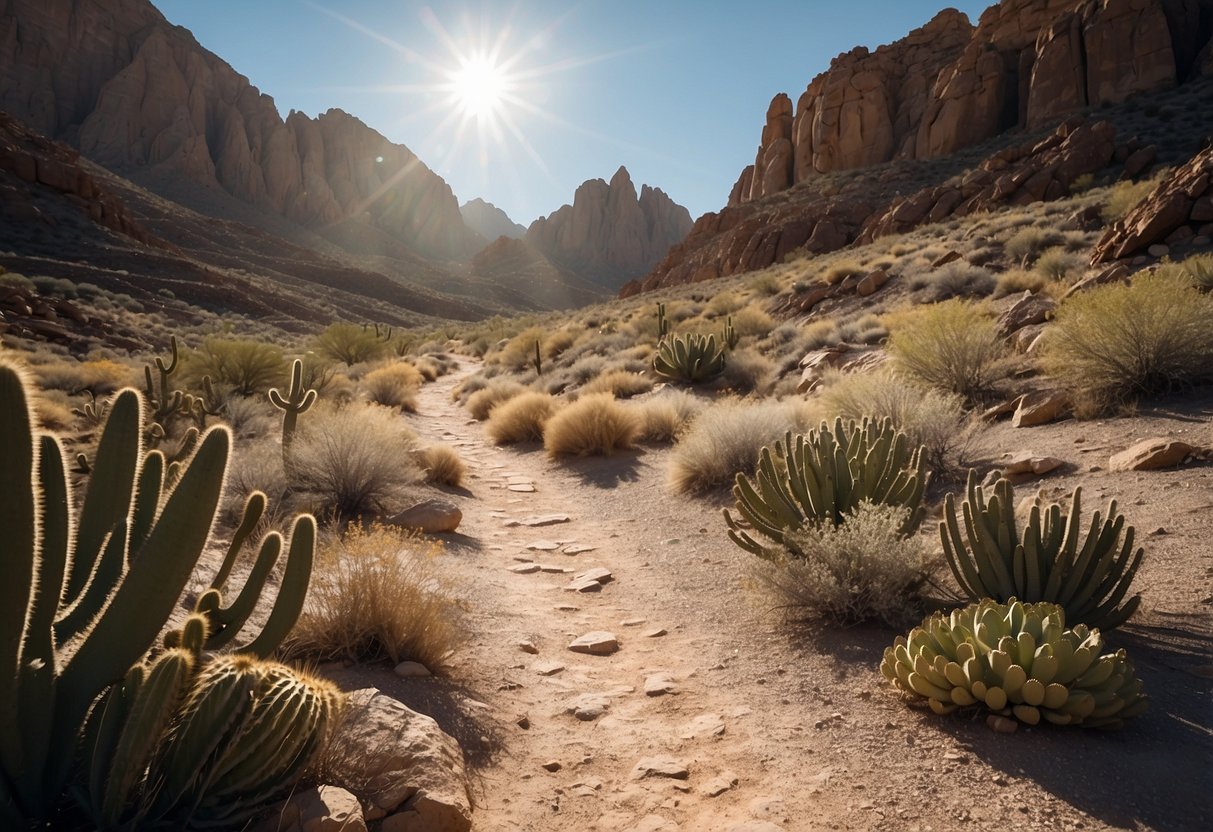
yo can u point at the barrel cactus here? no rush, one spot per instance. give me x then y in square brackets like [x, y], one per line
[1017, 660]
[824, 476]
[1049, 560]
[691, 358]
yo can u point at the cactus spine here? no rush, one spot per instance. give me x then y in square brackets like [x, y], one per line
[1017, 660]
[691, 358]
[297, 400]
[822, 477]
[1047, 561]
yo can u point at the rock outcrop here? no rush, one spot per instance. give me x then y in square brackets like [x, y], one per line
[1179, 209]
[949, 85]
[489, 221]
[609, 235]
[133, 92]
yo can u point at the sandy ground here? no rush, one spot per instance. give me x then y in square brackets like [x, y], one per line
[769, 726]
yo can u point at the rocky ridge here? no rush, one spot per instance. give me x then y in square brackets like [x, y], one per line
[609, 235]
[489, 221]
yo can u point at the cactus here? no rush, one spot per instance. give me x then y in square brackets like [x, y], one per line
[91, 413]
[297, 400]
[209, 403]
[692, 358]
[822, 477]
[1047, 561]
[730, 338]
[537, 361]
[164, 402]
[663, 325]
[102, 580]
[1018, 660]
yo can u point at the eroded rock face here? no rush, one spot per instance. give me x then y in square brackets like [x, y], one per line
[489, 221]
[609, 235]
[133, 92]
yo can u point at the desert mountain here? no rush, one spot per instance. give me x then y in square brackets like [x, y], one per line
[609, 235]
[944, 92]
[489, 221]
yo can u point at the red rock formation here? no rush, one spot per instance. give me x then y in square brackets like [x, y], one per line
[131, 91]
[608, 235]
[1180, 207]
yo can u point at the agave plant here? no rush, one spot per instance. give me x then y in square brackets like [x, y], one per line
[824, 476]
[691, 358]
[1049, 560]
[1017, 660]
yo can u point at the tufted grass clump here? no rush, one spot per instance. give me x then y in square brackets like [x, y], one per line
[620, 383]
[864, 569]
[952, 346]
[441, 465]
[594, 425]
[667, 415]
[394, 385]
[956, 279]
[1119, 343]
[522, 418]
[481, 403]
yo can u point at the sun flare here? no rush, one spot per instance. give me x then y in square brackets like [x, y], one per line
[478, 87]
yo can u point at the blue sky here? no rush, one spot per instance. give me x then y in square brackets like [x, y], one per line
[676, 91]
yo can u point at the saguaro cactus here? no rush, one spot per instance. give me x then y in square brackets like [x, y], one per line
[297, 400]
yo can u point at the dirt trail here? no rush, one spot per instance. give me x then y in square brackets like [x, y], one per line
[764, 728]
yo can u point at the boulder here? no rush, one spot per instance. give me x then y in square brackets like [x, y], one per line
[429, 516]
[872, 282]
[1040, 408]
[1023, 466]
[404, 767]
[322, 809]
[1028, 310]
[1151, 454]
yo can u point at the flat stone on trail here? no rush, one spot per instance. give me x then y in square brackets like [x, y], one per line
[657, 633]
[527, 645]
[547, 668]
[584, 586]
[525, 568]
[660, 767]
[578, 549]
[634, 622]
[540, 520]
[590, 580]
[705, 725]
[720, 784]
[553, 567]
[543, 546]
[659, 684]
[430, 516]
[588, 706]
[522, 488]
[597, 643]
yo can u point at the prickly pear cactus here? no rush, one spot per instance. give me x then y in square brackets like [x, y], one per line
[1017, 660]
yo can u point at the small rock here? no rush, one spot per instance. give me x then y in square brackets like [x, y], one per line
[705, 725]
[597, 643]
[322, 809]
[527, 645]
[1002, 724]
[1040, 408]
[411, 670]
[657, 633]
[523, 721]
[659, 684]
[1151, 454]
[660, 767]
[588, 707]
[552, 765]
[543, 546]
[634, 622]
[522, 488]
[430, 516]
[577, 549]
[720, 784]
[543, 520]
[525, 568]
[1158, 250]
[1024, 465]
[554, 568]
[547, 668]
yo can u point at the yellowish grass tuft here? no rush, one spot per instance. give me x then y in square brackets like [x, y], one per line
[594, 425]
[481, 403]
[620, 383]
[666, 416]
[521, 419]
[442, 465]
[395, 385]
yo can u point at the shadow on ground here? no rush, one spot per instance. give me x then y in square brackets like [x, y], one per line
[606, 472]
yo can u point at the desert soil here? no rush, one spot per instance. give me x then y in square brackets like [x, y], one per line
[759, 725]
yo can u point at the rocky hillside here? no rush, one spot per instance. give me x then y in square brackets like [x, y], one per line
[609, 235]
[138, 95]
[489, 221]
[918, 113]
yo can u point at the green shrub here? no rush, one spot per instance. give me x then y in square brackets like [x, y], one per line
[350, 344]
[1196, 269]
[951, 346]
[690, 358]
[1058, 264]
[244, 366]
[1015, 281]
[841, 270]
[1123, 196]
[1025, 245]
[864, 568]
[1118, 343]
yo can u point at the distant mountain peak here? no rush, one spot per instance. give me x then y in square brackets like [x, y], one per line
[489, 221]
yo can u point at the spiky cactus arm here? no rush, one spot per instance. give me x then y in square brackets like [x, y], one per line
[297, 400]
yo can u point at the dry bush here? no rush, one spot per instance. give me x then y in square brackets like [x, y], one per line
[951, 346]
[751, 320]
[481, 403]
[959, 278]
[1124, 195]
[931, 418]
[620, 383]
[394, 385]
[725, 303]
[861, 570]
[594, 425]
[823, 333]
[242, 365]
[519, 351]
[1058, 264]
[841, 270]
[1197, 270]
[765, 283]
[250, 415]
[350, 344]
[561, 340]
[378, 594]
[100, 376]
[1115, 344]
[667, 415]
[441, 464]
[1025, 245]
[470, 385]
[725, 438]
[426, 367]
[521, 419]
[53, 410]
[353, 460]
[746, 371]
[864, 329]
[1015, 281]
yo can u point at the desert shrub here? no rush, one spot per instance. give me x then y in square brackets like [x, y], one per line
[1058, 264]
[1025, 245]
[594, 425]
[818, 334]
[519, 351]
[100, 376]
[481, 403]
[1119, 343]
[560, 340]
[765, 283]
[378, 594]
[865, 329]
[350, 344]
[242, 365]
[724, 439]
[522, 418]
[470, 385]
[441, 465]
[1015, 281]
[725, 303]
[956, 279]
[1196, 270]
[751, 320]
[394, 385]
[747, 371]
[841, 270]
[354, 460]
[951, 346]
[863, 569]
[667, 415]
[250, 415]
[620, 383]
[930, 418]
[426, 367]
[1124, 195]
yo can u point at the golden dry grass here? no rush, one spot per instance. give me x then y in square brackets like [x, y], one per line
[394, 385]
[594, 425]
[481, 403]
[619, 383]
[521, 419]
[666, 416]
[442, 465]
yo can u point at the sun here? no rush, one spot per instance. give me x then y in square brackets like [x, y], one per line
[479, 87]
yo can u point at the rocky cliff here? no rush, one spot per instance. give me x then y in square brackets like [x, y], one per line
[489, 221]
[950, 85]
[609, 235]
[135, 93]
